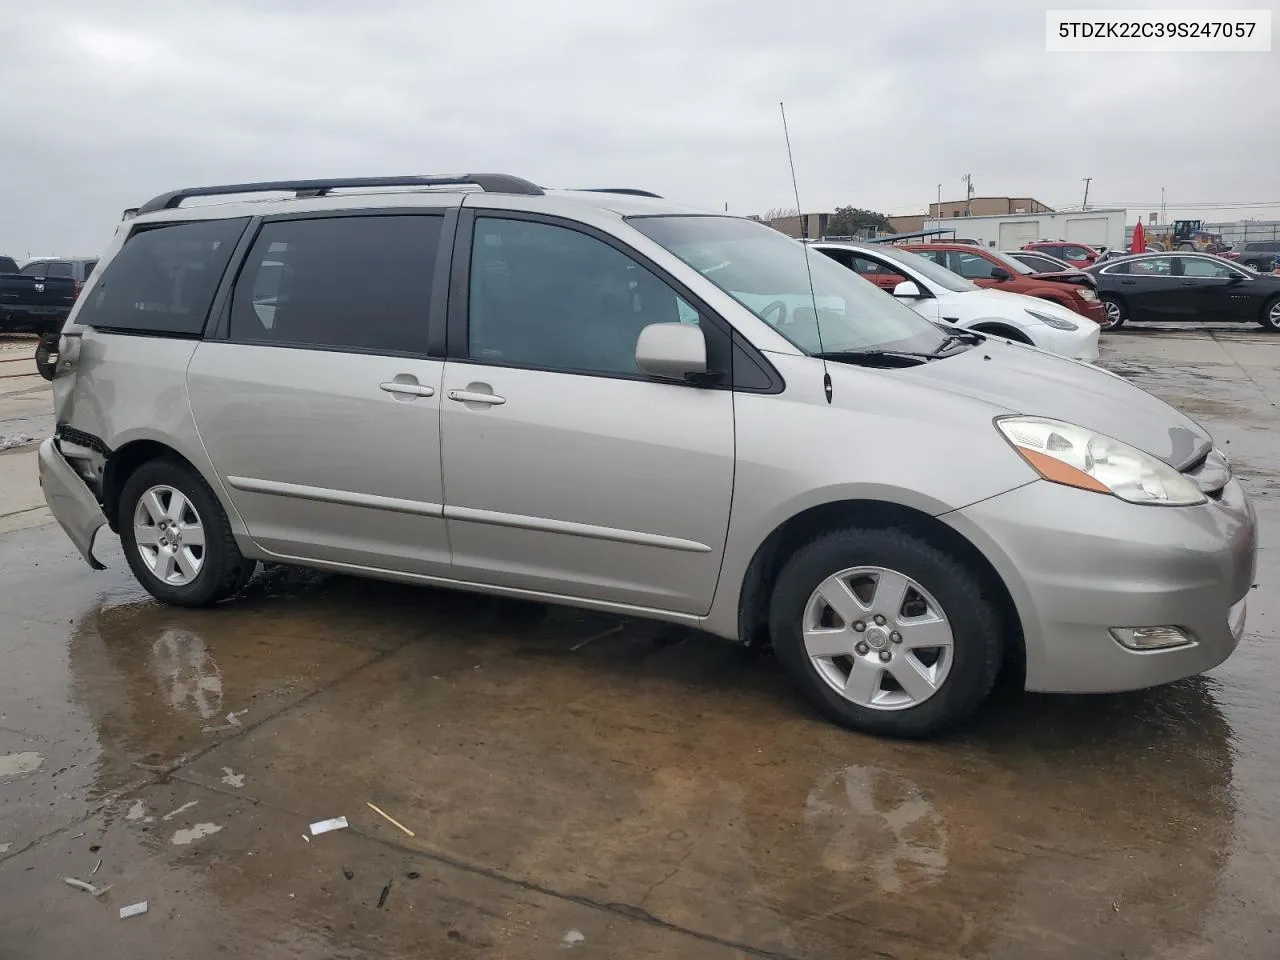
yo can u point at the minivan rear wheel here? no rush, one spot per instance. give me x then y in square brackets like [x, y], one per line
[176, 536]
[883, 632]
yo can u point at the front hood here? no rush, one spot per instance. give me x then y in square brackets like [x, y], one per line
[1078, 277]
[1000, 303]
[1025, 380]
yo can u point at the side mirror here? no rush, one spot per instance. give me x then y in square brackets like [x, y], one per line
[1001, 274]
[908, 290]
[672, 351]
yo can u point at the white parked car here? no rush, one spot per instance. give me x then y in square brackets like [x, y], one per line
[936, 293]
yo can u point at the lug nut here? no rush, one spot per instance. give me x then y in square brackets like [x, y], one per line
[879, 620]
[859, 626]
[862, 649]
[885, 656]
[896, 637]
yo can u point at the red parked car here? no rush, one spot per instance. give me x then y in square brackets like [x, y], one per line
[1077, 254]
[1073, 289]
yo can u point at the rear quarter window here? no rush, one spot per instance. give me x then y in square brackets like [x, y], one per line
[163, 279]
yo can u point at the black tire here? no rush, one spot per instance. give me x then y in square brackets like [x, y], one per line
[1118, 319]
[1270, 316]
[224, 570]
[976, 625]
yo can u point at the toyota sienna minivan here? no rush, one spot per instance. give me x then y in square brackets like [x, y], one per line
[604, 399]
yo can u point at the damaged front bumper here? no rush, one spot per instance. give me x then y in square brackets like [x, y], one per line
[71, 501]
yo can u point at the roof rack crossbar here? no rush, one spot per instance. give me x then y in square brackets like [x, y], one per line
[489, 182]
[626, 191]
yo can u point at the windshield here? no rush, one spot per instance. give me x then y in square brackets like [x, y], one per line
[1016, 266]
[765, 271]
[931, 270]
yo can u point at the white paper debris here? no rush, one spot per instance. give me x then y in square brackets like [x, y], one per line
[4, 847]
[86, 887]
[324, 826]
[231, 778]
[133, 910]
[186, 806]
[183, 837]
[573, 937]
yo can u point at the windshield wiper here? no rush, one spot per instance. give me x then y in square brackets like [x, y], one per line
[853, 356]
[951, 339]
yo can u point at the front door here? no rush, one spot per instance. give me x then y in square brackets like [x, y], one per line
[566, 470]
[319, 409]
[1212, 290]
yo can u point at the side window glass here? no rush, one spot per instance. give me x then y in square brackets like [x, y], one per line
[1075, 253]
[350, 283]
[1154, 267]
[163, 278]
[59, 268]
[1193, 267]
[972, 266]
[35, 269]
[549, 297]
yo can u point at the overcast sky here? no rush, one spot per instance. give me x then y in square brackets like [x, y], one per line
[109, 103]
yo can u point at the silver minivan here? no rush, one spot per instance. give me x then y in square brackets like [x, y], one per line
[603, 399]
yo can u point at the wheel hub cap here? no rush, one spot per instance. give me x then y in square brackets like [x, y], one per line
[878, 638]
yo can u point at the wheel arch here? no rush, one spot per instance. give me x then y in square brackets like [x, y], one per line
[1001, 329]
[137, 449]
[767, 562]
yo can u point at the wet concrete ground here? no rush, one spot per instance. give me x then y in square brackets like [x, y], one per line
[586, 784]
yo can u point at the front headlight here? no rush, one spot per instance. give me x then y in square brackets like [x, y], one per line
[1052, 321]
[1087, 294]
[1071, 455]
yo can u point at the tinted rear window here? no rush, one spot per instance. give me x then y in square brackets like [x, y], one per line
[58, 268]
[349, 283]
[8, 265]
[89, 267]
[163, 279]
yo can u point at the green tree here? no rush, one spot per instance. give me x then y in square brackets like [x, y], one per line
[854, 221]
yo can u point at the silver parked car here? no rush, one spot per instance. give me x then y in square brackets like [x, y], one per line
[603, 399]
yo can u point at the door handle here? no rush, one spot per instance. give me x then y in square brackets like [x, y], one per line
[407, 389]
[1128, 283]
[475, 396]
[1187, 283]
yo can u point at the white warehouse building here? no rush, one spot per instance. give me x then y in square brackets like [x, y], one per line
[1011, 231]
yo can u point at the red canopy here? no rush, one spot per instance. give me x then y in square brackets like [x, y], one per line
[1139, 242]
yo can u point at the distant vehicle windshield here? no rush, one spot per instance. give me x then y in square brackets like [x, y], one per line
[1016, 266]
[931, 270]
[767, 273]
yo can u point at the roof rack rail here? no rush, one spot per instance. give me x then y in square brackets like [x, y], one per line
[489, 182]
[627, 191]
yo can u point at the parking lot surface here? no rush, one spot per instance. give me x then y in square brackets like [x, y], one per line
[579, 783]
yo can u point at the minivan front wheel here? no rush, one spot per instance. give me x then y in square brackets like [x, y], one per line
[176, 536]
[883, 632]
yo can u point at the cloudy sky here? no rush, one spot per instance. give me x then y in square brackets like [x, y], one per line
[109, 103]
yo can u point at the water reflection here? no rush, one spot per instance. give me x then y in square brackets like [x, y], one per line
[186, 673]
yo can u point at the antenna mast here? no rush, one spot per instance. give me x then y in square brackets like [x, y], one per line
[804, 233]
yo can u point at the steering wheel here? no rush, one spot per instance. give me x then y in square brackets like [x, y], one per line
[777, 306]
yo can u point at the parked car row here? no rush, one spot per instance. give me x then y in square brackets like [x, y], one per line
[923, 276]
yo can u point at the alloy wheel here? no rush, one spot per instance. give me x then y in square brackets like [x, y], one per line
[169, 535]
[878, 638]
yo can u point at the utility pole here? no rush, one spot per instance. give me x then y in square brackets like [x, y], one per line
[1164, 214]
[1085, 203]
[968, 194]
[938, 212]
